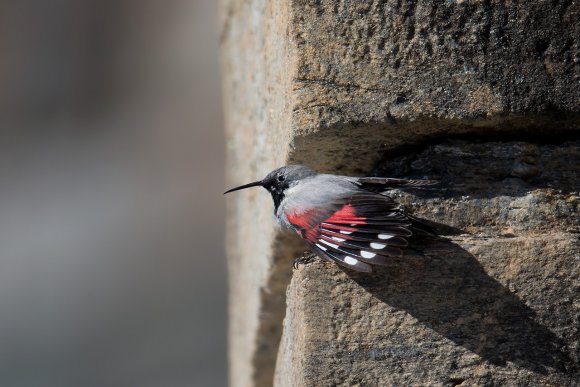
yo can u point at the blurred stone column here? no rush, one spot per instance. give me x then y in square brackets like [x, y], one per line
[257, 82]
[351, 87]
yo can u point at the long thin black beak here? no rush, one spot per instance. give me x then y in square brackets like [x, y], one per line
[254, 184]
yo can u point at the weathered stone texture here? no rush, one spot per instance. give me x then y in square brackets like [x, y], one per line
[337, 85]
[371, 76]
[361, 61]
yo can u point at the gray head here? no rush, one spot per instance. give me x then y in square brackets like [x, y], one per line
[279, 180]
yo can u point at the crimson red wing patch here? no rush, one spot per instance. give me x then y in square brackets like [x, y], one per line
[366, 229]
[306, 224]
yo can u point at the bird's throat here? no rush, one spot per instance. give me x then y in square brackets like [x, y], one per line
[277, 196]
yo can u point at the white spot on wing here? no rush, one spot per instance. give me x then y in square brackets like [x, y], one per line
[329, 244]
[338, 239]
[385, 236]
[320, 247]
[377, 246]
[367, 254]
[345, 232]
[350, 260]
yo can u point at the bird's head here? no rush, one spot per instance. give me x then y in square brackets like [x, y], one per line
[279, 180]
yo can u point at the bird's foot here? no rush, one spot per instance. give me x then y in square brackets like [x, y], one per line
[306, 258]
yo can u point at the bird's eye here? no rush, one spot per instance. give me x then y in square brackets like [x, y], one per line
[281, 177]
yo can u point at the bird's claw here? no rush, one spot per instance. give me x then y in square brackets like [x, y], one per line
[306, 258]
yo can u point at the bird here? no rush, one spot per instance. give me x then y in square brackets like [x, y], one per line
[343, 219]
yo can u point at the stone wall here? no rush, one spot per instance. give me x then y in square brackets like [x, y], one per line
[479, 94]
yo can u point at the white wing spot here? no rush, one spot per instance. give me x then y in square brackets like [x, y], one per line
[385, 236]
[320, 247]
[350, 260]
[367, 254]
[377, 246]
[338, 239]
[329, 244]
[353, 224]
[345, 232]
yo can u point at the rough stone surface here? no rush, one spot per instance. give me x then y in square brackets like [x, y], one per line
[363, 61]
[496, 305]
[371, 76]
[337, 85]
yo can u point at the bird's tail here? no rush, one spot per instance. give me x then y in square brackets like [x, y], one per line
[378, 184]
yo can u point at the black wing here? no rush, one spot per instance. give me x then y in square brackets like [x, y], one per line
[366, 229]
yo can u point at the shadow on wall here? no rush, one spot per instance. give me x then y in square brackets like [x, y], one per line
[519, 199]
[449, 291]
